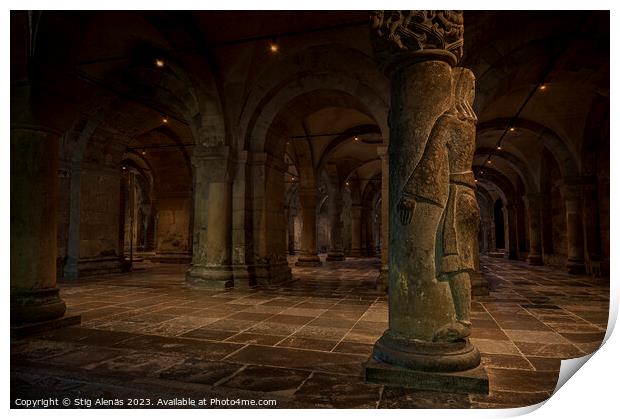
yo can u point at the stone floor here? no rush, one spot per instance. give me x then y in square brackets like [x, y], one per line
[148, 336]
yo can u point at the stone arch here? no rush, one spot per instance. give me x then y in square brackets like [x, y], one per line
[516, 163]
[561, 149]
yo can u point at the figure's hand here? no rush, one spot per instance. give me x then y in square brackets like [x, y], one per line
[405, 210]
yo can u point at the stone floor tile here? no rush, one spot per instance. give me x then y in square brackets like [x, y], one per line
[331, 391]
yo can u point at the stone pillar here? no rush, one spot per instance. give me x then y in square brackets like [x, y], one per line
[592, 227]
[512, 242]
[34, 190]
[211, 259]
[308, 256]
[291, 230]
[356, 231]
[336, 250]
[572, 194]
[382, 281]
[533, 202]
[418, 53]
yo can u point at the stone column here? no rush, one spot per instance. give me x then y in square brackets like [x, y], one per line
[382, 281]
[572, 194]
[336, 251]
[356, 231]
[533, 202]
[418, 50]
[592, 227]
[308, 256]
[291, 230]
[512, 244]
[34, 197]
[211, 259]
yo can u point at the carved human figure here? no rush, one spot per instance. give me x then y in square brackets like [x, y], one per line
[439, 197]
[462, 215]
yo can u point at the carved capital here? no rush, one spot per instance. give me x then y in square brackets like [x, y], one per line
[401, 36]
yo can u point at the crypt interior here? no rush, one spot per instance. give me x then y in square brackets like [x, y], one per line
[209, 204]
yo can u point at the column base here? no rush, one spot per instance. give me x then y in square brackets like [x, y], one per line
[535, 259]
[356, 253]
[215, 277]
[383, 280]
[97, 266]
[180, 257]
[335, 256]
[479, 284]
[271, 273]
[474, 380]
[439, 366]
[34, 306]
[308, 261]
[576, 267]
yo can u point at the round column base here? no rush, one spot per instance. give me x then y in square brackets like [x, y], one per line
[426, 356]
[219, 277]
[576, 267]
[32, 306]
[535, 259]
[335, 256]
[305, 261]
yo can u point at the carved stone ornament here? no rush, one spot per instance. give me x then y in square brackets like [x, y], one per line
[401, 35]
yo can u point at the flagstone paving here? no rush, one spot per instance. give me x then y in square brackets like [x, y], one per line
[147, 335]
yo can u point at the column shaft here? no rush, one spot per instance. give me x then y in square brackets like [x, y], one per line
[34, 190]
[309, 255]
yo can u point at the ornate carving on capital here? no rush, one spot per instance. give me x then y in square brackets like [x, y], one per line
[401, 35]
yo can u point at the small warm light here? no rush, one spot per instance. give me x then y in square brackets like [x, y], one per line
[124, 168]
[347, 183]
[293, 178]
[481, 172]
[144, 153]
[475, 180]
[159, 62]
[489, 161]
[356, 138]
[273, 46]
[164, 120]
[512, 129]
[499, 147]
[542, 87]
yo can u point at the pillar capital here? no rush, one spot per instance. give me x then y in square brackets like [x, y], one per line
[402, 37]
[214, 164]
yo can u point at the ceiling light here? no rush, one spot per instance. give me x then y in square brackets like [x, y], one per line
[164, 120]
[356, 138]
[512, 129]
[499, 147]
[159, 62]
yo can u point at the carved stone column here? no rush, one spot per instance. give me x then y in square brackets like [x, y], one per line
[382, 281]
[418, 50]
[309, 255]
[211, 259]
[572, 192]
[336, 250]
[533, 202]
[356, 231]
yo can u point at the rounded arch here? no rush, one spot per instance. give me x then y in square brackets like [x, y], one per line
[561, 149]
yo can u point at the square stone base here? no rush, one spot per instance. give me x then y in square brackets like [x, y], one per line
[469, 381]
[27, 329]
